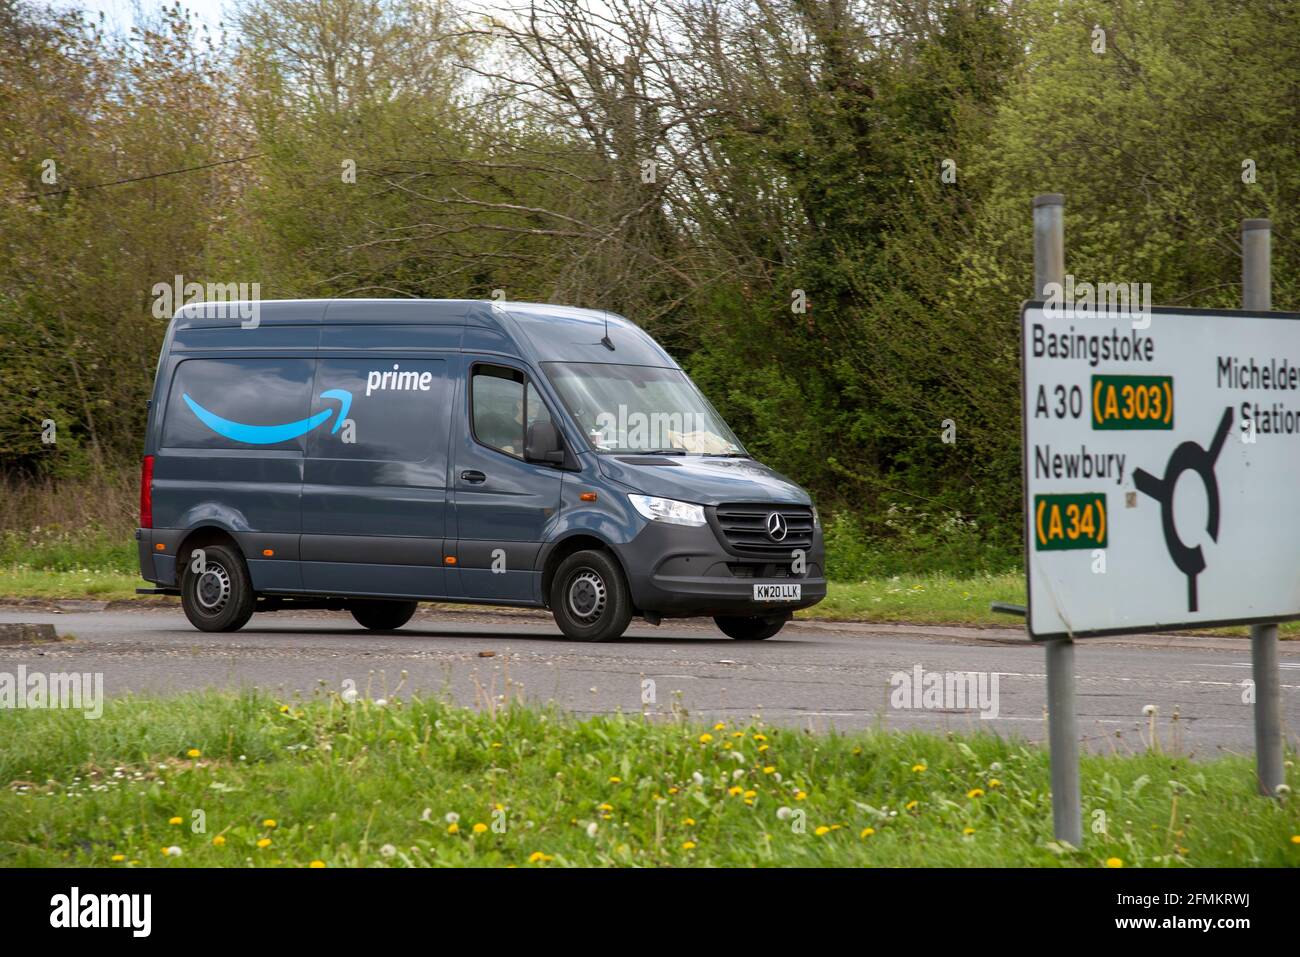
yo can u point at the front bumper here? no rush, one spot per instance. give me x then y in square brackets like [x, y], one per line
[678, 572]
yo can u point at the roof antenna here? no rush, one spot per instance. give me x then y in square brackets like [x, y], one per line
[604, 340]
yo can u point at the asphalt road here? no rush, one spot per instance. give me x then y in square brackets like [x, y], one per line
[817, 676]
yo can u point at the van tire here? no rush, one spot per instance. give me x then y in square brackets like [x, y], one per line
[379, 615]
[220, 598]
[590, 598]
[750, 629]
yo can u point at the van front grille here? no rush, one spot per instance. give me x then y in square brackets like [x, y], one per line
[752, 529]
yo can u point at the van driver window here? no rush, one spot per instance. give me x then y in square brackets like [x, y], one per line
[497, 400]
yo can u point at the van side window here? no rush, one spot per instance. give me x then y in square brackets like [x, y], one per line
[497, 407]
[238, 403]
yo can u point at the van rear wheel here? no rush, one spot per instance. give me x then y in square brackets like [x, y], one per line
[382, 615]
[750, 629]
[219, 596]
[590, 598]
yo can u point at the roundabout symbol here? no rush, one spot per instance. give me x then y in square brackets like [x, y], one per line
[1188, 455]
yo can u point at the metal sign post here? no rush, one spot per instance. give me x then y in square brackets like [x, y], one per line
[1257, 293]
[1062, 717]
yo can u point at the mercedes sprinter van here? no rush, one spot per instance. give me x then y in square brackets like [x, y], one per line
[370, 454]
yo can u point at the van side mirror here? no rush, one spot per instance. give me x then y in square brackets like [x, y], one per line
[543, 444]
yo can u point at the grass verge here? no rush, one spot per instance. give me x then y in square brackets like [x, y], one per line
[425, 783]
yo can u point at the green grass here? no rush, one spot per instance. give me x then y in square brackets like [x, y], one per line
[105, 584]
[363, 784]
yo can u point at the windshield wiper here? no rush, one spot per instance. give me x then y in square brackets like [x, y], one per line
[659, 452]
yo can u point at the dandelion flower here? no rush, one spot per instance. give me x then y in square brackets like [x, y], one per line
[760, 737]
[975, 793]
[219, 841]
[688, 845]
[615, 780]
[688, 821]
[480, 827]
[911, 805]
[800, 795]
[720, 726]
[705, 738]
[538, 856]
[867, 832]
[918, 769]
[994, 783]
[769, 769]
[453, 828]
[264, 843]
[193, 753]
[316, 864]
[822, 830]
[1114, 862]
[388, 851]
[1295, 838]
[269, 822]
[175, 820]
[968, 831]
[118, 858]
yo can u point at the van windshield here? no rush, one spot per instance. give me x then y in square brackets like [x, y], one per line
[622, 408]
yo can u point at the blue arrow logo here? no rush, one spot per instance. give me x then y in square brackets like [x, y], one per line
[271, 434]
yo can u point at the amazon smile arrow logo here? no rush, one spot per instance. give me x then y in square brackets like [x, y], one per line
[271, 434]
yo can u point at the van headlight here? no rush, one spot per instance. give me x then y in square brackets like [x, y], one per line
[817, 519]
[668, 510]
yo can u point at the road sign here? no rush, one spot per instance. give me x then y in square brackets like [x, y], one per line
[1161, 468]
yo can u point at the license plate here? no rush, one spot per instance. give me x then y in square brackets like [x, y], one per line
[777, 592]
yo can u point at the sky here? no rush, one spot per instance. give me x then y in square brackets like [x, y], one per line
[122, 13]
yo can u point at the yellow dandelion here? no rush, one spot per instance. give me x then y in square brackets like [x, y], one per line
[1114, 862]
[1295, 838]
[176, 820]
[672, 790]
[284, 709]
[968, 831]
[688, 821]
[762, 748]
[480, 827]
[760, 737]
[975, 793]
[219, 841]
[867, 832]
[539, 857]
[720, 726]
[738, 734]
[857, 751]
[264, 843]
[995, 783]
[918, 769]
[800, 795]
[453, 828]
[733, 791]
[118, 858]
[822, 830]
[316, 864]
[615, 780]
[769, 769]
[911, 805]
[688, 845]
[269, 822]
[751, 794]
[193, 753]
[605, 807]
[705, 738]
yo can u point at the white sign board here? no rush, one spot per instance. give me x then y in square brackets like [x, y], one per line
[1161, 468]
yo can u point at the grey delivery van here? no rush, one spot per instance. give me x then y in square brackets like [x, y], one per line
[370, 454]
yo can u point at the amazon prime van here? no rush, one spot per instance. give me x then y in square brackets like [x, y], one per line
[371, 454]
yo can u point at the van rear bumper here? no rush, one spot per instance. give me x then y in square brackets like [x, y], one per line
[678, 571]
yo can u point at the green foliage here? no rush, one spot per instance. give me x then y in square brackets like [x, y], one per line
[798, 151]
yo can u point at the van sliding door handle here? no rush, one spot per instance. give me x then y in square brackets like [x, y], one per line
[473, 475]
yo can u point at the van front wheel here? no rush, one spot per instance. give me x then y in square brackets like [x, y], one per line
[589, 597]
[749, 629]
[382, 615]
[219, 595]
